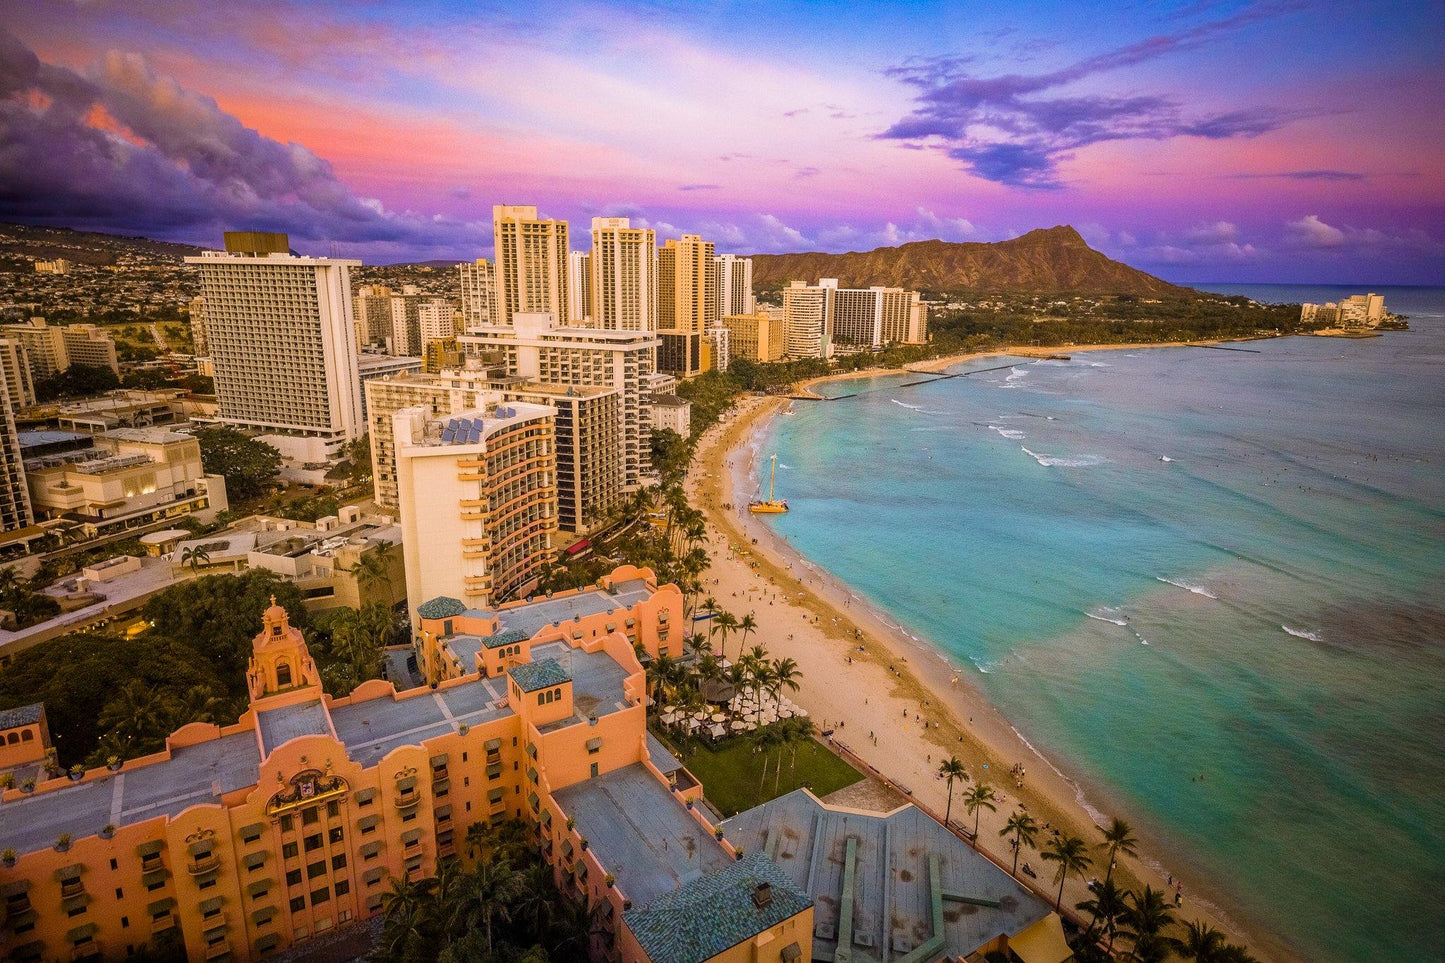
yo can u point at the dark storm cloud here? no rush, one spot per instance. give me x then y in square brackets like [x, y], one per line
[121, 148]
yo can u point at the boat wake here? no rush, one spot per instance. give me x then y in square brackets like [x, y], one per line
[909, 407]
[1302, 634]
[1187, 587]
[1106, 614]
[1055, 461]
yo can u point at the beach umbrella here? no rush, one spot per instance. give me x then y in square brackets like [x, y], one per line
[738, 725]
[667, 718]
[801, 713]
[750, 725]
[719, 717]
[669, 708]
[699, 715]
[717, 731]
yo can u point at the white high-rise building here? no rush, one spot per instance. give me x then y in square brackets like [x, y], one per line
[531, 263]
[877, 316]
[282, 343]
[406, 321]
[371, 311]
[808, 315]
[436, 319]
[624, 275]
[479, 293]
[15, 366]
[734, 285]
[535, 348]
[15, 511]
[579, 285]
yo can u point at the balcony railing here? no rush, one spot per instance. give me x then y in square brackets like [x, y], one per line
[202, 865]
[408, 799]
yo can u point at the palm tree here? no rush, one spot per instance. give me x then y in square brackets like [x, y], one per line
[1202, 943]
[1107, 908]
[977, 799]
[725, 622]
[746, 625]
[1146, 915]
[195, 556]
[1024, 830]
[492, 888]
[1118, 838]
[1072, 855]
[788, 738]
[763, 675]
[785, 675]
[373, 568]
[407, 908]
[11, 584]
[951, 769]
[767, 739]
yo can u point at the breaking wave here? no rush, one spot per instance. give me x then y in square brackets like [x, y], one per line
[1187, 587]
[1302, 634]
[1055, 461]
[1106, 614]
[1011, 433]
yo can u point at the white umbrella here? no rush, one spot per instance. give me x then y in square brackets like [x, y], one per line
[699, 715]
[738, 725]
[717, 731]
[719, 717]
[669, 708]
[801, 713]
[667, 718]
[751, 725]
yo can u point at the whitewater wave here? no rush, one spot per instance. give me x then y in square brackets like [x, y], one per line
[1165, 458]
[1015, 373]
[1187, 587]
[1100, 364]
[1106, 614]
[909, 407]
[788, 467]
[1142, 640]
[1056, 461]
[1302, 634]
[982, 666]
[1012, 434]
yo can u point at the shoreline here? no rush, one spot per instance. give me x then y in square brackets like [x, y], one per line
[847, 647]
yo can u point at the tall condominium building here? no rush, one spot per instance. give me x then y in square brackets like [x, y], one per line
[199, 345]
[52, 348]
[282, 341]
[588, 429]
[371, 310]
[478, 496]
[808, 314]
[436, 320]
[579, 285]
[15, 365]
[873, 317]
[534, 348]
[624, 275]
[531, 263]
[760, 336]
[58, 266]
[15, 512]
[733, 285]
[686, 285]
[719, 346]
[405, 335]
[479, 293]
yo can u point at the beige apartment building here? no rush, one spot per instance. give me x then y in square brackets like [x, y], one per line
[870, 318]
[283, 343]
[371, 312]
[531, 263]
[623, 275]
[808, 314]
[579, 286]
[15, 512]
[479, 293]
[436, 321]
[15, 369]
[588, 429]
[122, 479]
[760, 336]
[200, 346]
[52, 348]
[534, 348]
[478, 494]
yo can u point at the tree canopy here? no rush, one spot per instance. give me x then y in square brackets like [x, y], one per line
[246, 464]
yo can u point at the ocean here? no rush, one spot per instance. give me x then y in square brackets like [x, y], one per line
[1208, 584]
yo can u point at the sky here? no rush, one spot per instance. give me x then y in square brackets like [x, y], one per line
[1285, 141]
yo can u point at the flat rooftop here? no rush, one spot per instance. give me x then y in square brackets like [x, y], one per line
[373, 728]
[642, 834]
[597, 680]
[193, 775]
[279, 726]
[890, 875]
[532, 617]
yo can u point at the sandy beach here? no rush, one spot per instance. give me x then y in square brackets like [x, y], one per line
[893, 700]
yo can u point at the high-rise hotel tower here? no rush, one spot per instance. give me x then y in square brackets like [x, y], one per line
[531, 270]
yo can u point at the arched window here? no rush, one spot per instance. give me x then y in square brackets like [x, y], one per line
[13, 738]
[283, 674]
[27, 736]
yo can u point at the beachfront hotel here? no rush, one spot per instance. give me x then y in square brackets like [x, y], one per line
[531, 267]
[283, 344]
[478, 497]
[622, 275]
[251, 838]
[760, 336]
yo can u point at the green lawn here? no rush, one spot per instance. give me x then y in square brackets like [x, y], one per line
[730, 775]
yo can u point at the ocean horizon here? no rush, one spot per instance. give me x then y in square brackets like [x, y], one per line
[1205, 583]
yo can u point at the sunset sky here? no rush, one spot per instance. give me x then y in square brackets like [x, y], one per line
[1201, 141]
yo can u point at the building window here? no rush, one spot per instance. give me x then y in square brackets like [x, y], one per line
[333, 809]
[293, 877]
[298, 903]
[283, 673]
[335, 835]
[319, 896]
[309, 816]
[313, 842]
[288, 822]
[343, 887]
[316, 869]
[288, 851]
[338, 861]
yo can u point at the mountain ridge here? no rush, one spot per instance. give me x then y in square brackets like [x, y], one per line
[1052, 260]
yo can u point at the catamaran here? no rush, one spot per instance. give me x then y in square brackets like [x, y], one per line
[770, 506]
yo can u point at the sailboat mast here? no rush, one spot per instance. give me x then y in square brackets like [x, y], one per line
[773, 479]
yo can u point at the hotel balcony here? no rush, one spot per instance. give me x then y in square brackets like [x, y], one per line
[218, 949]
[202, 865]
[85, 950]
[408, 800]
[71, 888]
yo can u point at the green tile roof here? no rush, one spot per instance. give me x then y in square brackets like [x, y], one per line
[531, 676]
[706, 916]
[441, 607]
[504, 638]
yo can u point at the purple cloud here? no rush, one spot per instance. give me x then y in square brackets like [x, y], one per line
[120, 148]
[1015, 129]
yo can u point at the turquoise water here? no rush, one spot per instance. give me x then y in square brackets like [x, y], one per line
[1265, 609]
